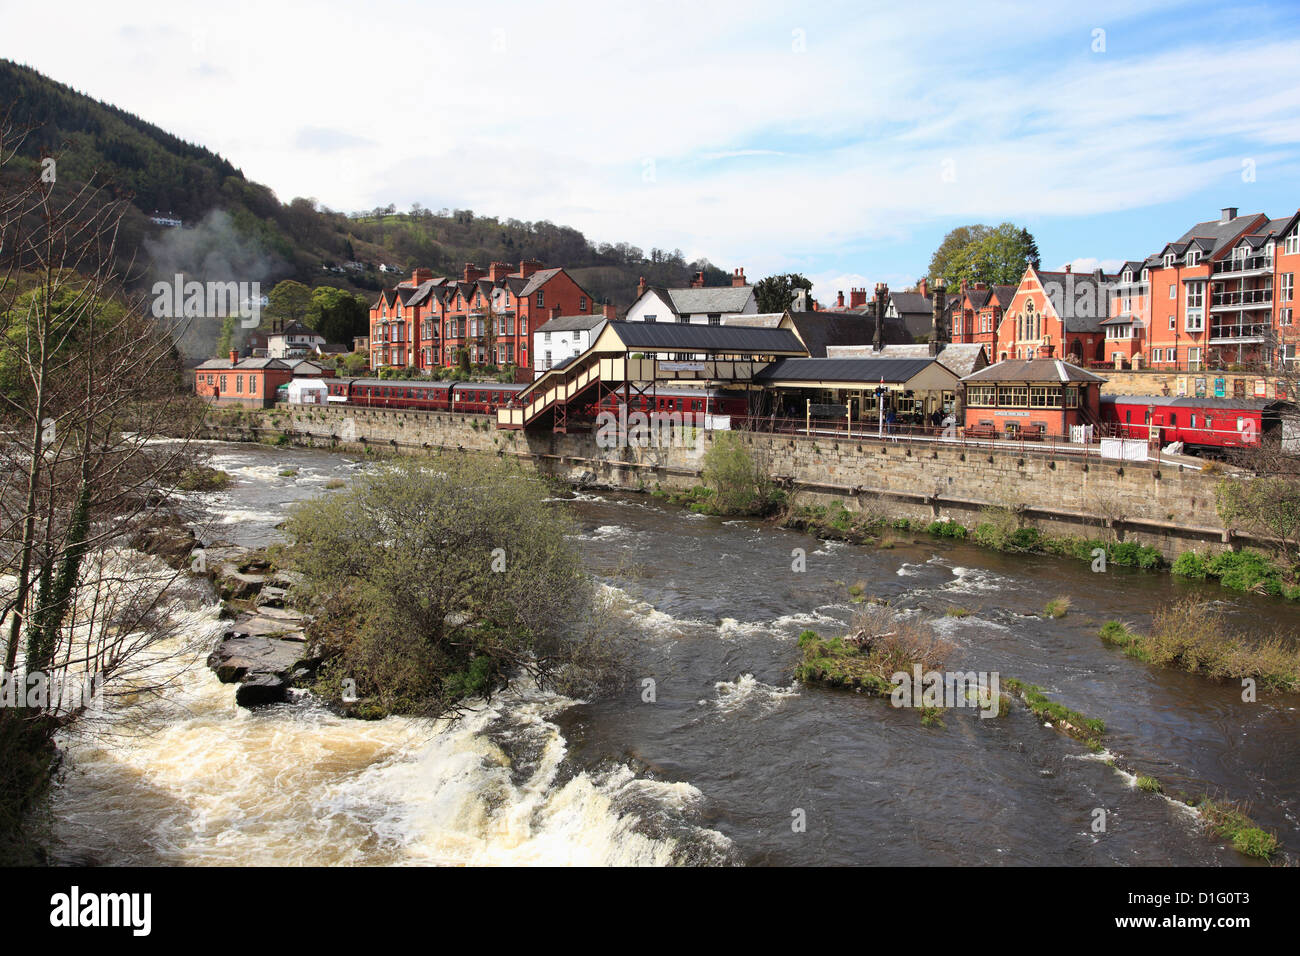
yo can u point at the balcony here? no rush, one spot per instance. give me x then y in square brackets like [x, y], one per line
[1244, 299]
[1230, 332]
[1250, 265]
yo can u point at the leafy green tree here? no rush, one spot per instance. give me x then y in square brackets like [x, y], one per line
[776, 293]
[979, 253]
[337, 314]
[290, 301]
[438, 580]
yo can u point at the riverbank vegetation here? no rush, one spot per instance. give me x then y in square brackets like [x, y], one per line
[1191, 635]
[436, 581]
[87, 378]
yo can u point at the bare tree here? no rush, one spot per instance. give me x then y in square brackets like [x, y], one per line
[88, 380]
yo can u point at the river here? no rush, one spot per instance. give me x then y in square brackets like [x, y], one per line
[732, 762]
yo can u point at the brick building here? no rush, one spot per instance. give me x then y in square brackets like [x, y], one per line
[1053, 314]
[1031, 398]
[425, 322]
[234, 381]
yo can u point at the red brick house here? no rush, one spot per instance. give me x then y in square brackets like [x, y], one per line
[234, 381]
[1036, 397]
[427, 321]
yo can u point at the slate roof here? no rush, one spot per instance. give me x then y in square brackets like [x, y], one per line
[1033, 370]
[855, 370]
[248, 363]
[1063, 289]
[687, 337]
[706, 300]
[960, 357]
[571, 323]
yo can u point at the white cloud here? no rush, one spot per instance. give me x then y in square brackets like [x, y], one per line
[761, 155]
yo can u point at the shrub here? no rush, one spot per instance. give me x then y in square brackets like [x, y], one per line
[739, 485]
[946, 529]
[1148, 784]
[1189, 564]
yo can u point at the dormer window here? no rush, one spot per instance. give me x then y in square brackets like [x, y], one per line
[1293, 243]
[1169, 260]
[1193, 257]
[1146, 274]
[1128, 275]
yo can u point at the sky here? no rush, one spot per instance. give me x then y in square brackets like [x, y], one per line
[839, 140]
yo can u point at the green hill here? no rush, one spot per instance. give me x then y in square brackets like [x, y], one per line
[298, 239]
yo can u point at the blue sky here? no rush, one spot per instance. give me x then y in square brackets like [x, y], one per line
[839, 140]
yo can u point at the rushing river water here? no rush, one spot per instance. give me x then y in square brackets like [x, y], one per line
[732, 755]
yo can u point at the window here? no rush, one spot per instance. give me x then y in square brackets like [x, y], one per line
[1284, 317]
[239, 384]
[715, 318]
[1193, 257]
[651, 319]
[1293, 244]
[1072, 396]
[252, 385]
[1045, 396]
[1195, 306]
[1013, 396]
[1172, 293]
[981, 395]
[1173, 322]
[1287, 287]
[541, 298]
[547, 360]
[1157, 355]
[1193, 359]
[546, 338]
[1169, 260]
[582, 303]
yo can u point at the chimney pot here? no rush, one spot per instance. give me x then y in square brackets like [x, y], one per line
[1228, 214]
[924, 288]
[234, 356]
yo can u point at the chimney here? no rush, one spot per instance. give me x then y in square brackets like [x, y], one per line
[421, 275]
[738, 278]
[1068, 268]
[963, 286]
[981, 285]
[472, 272]
[527, 267]
[640, 287]
[939, 331]
[878, 307]
[555, 311]
[611, 311]
[1228, 213]
[1045, 351]
[857, 298]
[923, 287]
[498, 271]
[839, 300]
[698, 281]
[234, 356]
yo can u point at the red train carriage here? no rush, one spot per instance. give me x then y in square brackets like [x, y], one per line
[1201, 424]
[481, 397]
[712, 401]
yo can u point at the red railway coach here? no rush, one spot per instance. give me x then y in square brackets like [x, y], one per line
[1201, 424]
[712, 401]
[481, 397]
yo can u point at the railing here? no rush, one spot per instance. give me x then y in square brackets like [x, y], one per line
[1241, 298]
[926, 436]
[1248, 264]
[1238, 330]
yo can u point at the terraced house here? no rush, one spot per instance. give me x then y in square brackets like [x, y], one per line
[426, 322]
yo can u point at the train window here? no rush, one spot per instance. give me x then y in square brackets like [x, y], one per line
[1193, 419]
[1128, 416]
[1241, 424]
[1173, 419]
[1209, 424]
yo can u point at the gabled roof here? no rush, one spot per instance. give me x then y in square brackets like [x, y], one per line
[819, 330]
[1065, 290]
[911, 302]
[688, 337]
[296, 328]
[706, 300]
[571, 323]
[1033, 370]
[537, 280]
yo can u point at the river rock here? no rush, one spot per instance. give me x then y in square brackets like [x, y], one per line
[236, 585]
[262, 689]
[272, 596]
[242, 657]
[171, 542]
